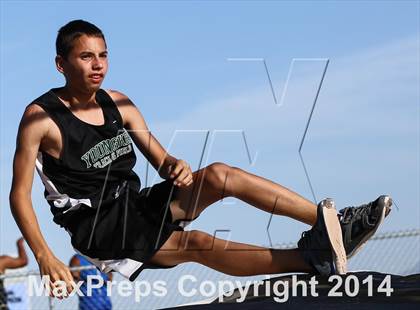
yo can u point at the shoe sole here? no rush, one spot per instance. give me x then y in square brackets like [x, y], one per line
[385, 203]
[334, 235]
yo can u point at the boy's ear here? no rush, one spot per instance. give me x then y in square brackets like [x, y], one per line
[59, 63]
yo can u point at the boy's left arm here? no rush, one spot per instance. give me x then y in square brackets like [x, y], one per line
[167, 166]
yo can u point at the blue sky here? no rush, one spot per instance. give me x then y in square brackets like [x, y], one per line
[170, 58]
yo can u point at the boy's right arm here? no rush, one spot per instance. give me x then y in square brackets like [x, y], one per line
[32, 129]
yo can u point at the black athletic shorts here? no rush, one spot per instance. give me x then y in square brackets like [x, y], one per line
[126, 225]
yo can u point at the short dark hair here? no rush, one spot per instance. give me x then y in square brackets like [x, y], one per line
[73, 30]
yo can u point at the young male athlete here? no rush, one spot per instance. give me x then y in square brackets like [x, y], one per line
[80, 136]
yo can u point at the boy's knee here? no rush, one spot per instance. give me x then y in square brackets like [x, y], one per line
[198, 240]
[216, 173]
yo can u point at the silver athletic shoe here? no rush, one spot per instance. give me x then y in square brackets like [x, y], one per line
[322, 246]
[358, 224]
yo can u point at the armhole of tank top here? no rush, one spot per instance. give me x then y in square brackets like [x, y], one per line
[111, 106]
[60, 127]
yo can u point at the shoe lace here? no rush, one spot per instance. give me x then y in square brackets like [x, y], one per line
[305, 239]
[309, 239]
[355, 213]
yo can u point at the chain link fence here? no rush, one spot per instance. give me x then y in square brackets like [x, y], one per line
[392, 253]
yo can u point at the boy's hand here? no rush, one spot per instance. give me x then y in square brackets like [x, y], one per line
[59, 274]
[181, 174]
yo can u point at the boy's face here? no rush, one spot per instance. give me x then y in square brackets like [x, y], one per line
[86, 65]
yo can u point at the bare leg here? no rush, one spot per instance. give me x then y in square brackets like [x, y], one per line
[223, 256]
[213, 183]
[269, 196]
[218, 180]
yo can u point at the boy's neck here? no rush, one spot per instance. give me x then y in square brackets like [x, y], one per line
[76, 97]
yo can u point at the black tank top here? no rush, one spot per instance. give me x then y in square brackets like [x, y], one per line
[95, 158]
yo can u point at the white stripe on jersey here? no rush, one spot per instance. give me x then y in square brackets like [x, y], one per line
[60, 200]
